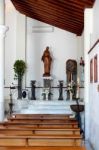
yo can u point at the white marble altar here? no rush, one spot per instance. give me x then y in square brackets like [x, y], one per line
[43, 106]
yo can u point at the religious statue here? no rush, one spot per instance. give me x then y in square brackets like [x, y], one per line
[46, 58]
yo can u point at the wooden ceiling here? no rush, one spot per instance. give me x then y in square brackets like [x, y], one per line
[64, 14]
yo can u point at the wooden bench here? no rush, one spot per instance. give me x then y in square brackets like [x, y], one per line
[40, 116]
[23, 131]
[41, 120]
[44, 118]
[42, 132]
[40, 140]
[39, 125]
[43, 148]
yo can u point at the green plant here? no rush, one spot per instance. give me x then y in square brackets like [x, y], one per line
[19, 69]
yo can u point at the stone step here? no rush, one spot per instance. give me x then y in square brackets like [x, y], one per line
[43, 107]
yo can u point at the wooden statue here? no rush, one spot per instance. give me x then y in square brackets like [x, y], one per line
[46, 58]
[71, 70]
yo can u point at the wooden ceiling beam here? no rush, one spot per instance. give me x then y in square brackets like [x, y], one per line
[85, 3]
[76, 6]
[62, 17]
[56, 24]
[52, 17]
[64, 7]
[65, 14]
[57, 8]
[56, 13]
[60, 5]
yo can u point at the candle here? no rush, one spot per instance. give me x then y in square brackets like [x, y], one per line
[77, 94]
[70, 95]
[78, 80]
[78, 91]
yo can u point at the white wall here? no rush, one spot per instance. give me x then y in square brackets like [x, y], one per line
[93, 91]
[28, 38]
[14, 44]
[10, 42]
[94, 103]
[61, 49]
[10, 48]
[63, 46]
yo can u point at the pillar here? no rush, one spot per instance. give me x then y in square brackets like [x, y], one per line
[87, 37]
[3, 30]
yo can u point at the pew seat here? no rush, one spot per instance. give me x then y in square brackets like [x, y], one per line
[42, 148]
[40, 116]
[40, 140]
[27, 131]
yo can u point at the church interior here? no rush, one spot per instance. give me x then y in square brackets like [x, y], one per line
[49, 85]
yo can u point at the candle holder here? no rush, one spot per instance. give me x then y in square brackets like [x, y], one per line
[33, 90]
[60, 90]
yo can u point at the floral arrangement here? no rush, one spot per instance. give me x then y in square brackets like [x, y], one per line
[71, 86]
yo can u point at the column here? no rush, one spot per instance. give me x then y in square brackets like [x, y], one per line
[3, 30]
[88, 16]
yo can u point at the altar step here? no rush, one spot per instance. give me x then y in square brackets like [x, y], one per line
[42, 107]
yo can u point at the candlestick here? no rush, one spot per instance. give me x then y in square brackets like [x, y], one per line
[78, 90]
[70, 95]
[78, 80]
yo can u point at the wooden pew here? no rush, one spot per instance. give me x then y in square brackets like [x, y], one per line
[41, 120]
[40, 116]
[47, 131]
[40, 125]
[45, 118]
[25, 131]
[43, 148]
[40, 140]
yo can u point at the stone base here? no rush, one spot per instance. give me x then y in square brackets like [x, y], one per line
[43, 107]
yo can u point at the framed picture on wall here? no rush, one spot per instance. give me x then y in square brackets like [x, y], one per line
[91, 70]
[95, 68]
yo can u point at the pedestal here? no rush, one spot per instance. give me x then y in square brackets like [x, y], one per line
[47, 88]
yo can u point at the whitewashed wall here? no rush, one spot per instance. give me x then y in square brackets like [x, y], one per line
[63, 46]
[10, 48]
[93, 91]
[27, 39]
[61, 49]
[94, 103]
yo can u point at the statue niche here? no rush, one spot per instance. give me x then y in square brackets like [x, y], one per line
[71, 71]
[47, 59]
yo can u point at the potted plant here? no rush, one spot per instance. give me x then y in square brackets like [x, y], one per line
[19, 69]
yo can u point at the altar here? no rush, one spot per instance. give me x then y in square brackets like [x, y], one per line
[49, 97]
[43, 107]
